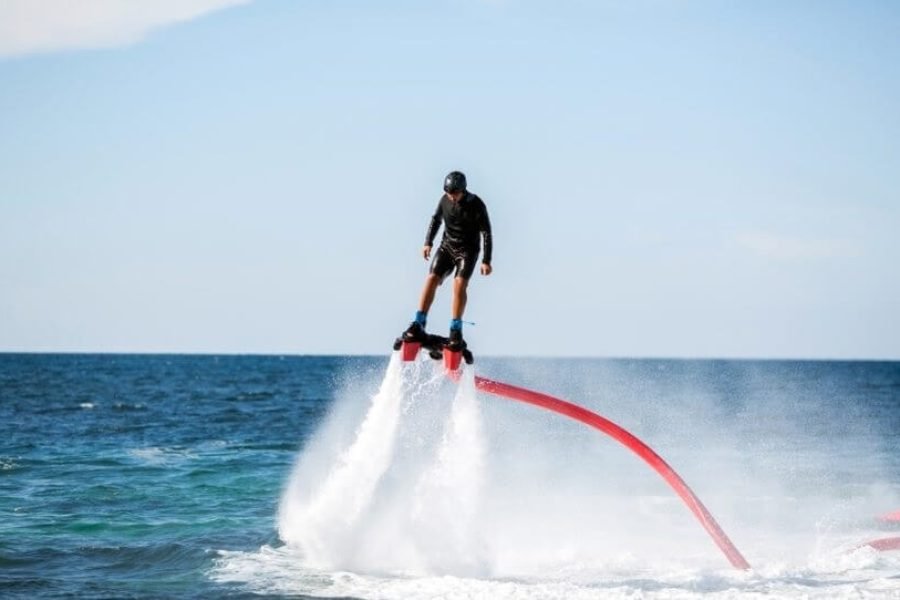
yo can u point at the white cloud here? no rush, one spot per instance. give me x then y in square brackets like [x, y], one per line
[777, 246]
[29, 26]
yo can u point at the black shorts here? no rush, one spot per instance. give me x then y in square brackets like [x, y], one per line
[445, 259]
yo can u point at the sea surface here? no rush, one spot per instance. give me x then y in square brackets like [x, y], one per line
[169, 476]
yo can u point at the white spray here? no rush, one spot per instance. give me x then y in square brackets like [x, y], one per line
[403, 496]
[320, 525]
[447, 495]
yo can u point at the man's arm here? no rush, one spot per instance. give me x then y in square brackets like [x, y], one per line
[486, 234]
[433, 227]
[488, 242]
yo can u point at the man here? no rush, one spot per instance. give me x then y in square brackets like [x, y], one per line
[466, 221]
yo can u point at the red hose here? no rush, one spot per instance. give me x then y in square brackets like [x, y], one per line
[632, 443]
[890, 517]
[885, 544]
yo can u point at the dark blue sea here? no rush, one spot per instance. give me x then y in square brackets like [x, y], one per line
[157, 476]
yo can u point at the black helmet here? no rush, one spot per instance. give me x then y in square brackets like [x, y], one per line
[455, 182]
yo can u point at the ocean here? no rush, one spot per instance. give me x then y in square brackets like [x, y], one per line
[183, 476]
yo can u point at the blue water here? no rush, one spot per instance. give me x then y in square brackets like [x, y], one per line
[132, 476]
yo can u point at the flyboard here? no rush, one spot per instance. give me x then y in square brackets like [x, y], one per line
[439, 348]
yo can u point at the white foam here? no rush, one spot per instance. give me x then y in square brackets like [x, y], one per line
[282, 571]
[154, 455]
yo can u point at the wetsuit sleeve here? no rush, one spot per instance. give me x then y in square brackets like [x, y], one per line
[486, 232]
[433, 226]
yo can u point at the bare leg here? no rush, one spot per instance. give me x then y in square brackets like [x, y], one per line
[460, 296]
[431, 284]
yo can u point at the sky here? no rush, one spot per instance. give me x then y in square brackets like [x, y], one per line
[684, 179]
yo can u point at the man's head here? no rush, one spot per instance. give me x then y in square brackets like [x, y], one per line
[455, 184]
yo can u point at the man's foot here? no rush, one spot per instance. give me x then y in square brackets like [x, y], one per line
[414, 333]
[455, 342]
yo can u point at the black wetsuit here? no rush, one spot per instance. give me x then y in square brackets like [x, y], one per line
[465, 222]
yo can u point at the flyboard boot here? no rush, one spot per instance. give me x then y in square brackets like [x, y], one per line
[411, 340]
[456, 350]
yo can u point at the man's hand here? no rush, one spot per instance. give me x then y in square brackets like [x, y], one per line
[426, 252]
[486, 269]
